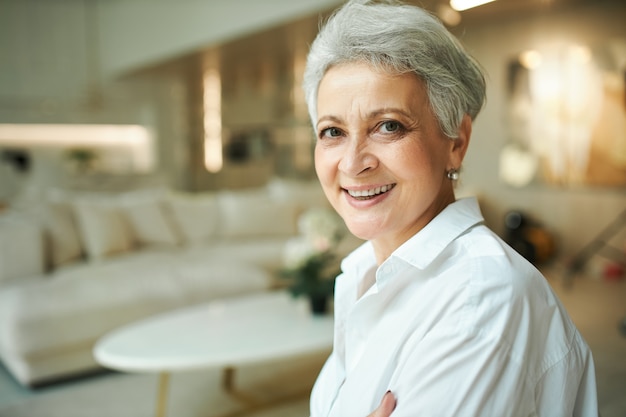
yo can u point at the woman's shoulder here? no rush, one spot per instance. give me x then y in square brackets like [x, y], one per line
[511, 300]
[495, 271]
[489, 257]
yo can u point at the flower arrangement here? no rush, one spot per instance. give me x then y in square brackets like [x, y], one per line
[311, 264]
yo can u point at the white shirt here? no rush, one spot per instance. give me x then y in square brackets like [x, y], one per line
[456, 323]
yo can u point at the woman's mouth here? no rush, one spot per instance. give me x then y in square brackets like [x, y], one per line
[371, 193]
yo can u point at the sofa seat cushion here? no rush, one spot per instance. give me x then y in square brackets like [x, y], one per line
[266, 252]
[82, 302]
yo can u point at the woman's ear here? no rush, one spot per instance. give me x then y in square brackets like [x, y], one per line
[460, 144]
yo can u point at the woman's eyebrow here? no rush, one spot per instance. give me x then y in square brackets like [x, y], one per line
[328, 118]
[386, 110]
[371, 115]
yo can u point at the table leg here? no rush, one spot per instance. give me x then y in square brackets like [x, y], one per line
[161, 405]
[249, 402]
[228, 384]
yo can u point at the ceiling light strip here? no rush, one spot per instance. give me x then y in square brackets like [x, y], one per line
[460, 5]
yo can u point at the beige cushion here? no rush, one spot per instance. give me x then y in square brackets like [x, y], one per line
[253, 214]
[103, 227]
[62, 237]
[195, 216]
[62, 240]
[21, 247]
[306, 194]
[149, 220]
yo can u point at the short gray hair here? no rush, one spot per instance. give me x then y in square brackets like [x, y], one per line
[396, 37]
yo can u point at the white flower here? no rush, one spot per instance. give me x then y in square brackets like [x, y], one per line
[320, 231]
[322, 227]
[297, 251]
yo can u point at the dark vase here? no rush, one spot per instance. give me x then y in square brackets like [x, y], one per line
[319, 304]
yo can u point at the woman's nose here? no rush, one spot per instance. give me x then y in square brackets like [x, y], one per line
[357, 158]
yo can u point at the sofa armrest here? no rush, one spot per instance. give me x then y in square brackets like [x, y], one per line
[21, 247]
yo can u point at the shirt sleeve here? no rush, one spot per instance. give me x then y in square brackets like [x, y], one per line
[568, 388]
[326, 387]
[451, 373]
[459, 373]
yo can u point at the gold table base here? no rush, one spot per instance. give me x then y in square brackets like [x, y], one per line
[249, 402]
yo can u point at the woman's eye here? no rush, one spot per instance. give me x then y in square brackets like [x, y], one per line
[390, 126]
[331, 132]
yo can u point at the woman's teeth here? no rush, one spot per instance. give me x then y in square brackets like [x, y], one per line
[365, 194]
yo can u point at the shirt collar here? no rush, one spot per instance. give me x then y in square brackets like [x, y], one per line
[453, 221]
[360, 260]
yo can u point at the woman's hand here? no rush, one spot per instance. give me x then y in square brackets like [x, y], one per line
[387, 405]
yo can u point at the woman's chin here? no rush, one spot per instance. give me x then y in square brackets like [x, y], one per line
[363, 231]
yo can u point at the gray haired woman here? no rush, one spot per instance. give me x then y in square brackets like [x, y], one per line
[434, 307]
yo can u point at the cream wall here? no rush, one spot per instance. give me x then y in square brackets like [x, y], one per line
[53, 74]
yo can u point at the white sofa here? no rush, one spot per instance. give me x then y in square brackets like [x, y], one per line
[75, 266]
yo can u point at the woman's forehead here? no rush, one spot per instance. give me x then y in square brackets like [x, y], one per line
[360, 87]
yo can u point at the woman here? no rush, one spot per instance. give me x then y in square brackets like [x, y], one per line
[434, 307]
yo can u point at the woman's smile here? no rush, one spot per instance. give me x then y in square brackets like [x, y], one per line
[369, 193]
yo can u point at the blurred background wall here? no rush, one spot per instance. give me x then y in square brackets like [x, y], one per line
[170, 65]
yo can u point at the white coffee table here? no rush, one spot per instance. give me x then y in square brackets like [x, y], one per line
[221, 334]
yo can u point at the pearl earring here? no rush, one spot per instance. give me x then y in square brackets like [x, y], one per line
[453, 174]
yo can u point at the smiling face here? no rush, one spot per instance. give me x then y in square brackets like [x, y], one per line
[380, 155]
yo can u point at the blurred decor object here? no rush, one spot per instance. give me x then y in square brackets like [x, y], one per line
[604, 245]
[517, 166]
[82, 160]
[19, 159]
[310, 261]
[566, 114]
[248, 146]
[529, 237]
[614, 271]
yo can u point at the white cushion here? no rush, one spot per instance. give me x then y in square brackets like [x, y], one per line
[253, 214]
[55, 213]
[195, 215]
[21, 247]
[305, 193]
[103, 227]
[62, 237]
[149, 220]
